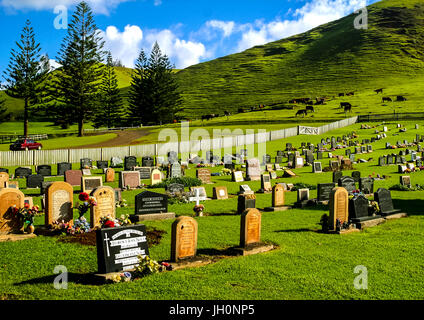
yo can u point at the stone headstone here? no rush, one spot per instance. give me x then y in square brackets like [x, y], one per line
[337, 175]
[147, 162]
[317, 167]
[62, 167]
[148, 202]
[358, 209]
[22, 172]
[253, 170]
[245, 201]
[86, 163]
[34, 181]
[324, 191]
[302, 195]
[118, 248]
[384, 199]
[110, 175]
[4, 180]
[102, 164]
[73, 177]
[145, 172]
[366, 185]
[105, 205]
[155, 177]
[250, 227]
[237, 176]
[278, 196]
[220, 193]
[339, 207]
[175, 188]
[88, 184]
[86, 172]
[204, 175]
[348, 183]
[44, 170]
[405, 181]
[9, 222]
[116, 162]
[59, 203]
[183, 238]
[130, 162]
[174, 170]
[129, 179]
[266, 182]
[356, 175]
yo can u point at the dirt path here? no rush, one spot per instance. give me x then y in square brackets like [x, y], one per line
[124, 138]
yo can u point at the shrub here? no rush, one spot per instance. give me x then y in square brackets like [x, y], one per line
[186, 181]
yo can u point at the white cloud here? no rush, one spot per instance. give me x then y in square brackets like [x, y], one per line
[98, 6]
[125, 45]
[226, 26]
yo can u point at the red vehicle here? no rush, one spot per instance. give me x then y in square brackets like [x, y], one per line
[25, 144]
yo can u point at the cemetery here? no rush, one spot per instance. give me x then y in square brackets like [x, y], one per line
[236, 223]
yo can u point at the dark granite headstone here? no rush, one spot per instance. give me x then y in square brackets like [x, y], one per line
[34, 181]
[44, 170]
[148, 202]
[324, 191]
[4, 170]
[144, 172]
[336, 176]
[102, 164]
[86, 163]
[384, 199]
[244, 202]
[147, 162]
[366, 185]
[22, 172]
[130, 162]
[118, 248]
[62, 167]
[348, 183]
[356, 175]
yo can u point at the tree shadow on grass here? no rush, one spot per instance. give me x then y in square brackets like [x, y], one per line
[409, 206]
[297, 230]
[77, 278]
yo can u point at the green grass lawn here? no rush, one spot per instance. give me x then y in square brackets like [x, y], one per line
[306, 265]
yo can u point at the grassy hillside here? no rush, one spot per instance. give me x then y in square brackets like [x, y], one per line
[329, 59]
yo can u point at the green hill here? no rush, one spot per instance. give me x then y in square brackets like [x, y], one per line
[329, 59]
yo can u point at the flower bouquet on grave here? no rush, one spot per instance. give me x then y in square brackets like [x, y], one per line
[122, 277]
[374, 208]
[198, 209]
[109, 222]
[87, 203]
[122, 204]
[26, 215]
[226, 172]
[146, 267]
[80, 225]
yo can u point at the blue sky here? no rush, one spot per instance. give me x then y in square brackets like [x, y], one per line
[188, 31]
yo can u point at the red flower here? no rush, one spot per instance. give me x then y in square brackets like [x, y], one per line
[109, 224]
[83, 196]
[26, 205]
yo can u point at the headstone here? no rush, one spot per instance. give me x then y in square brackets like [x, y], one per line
[356, 175]
[88, 184]
[299, 162]
[174, 188]
[366, 185]
[348, 183]
[266, 183]
[44, 186]
[86, 163]
[34, 181]
[174, 170]
[220, 193]
[183, 238]
[62, 167]
[250, 227]
[147, 162]
[384, 199]
[339, 207]
[145, 172]
[86, 172]
[73, 177]
[102, 164]
[110, 175]
[337, 175]
[116, 162]
[324, 191]
[22, 172]
[302, 195]
[59, 203]
[245, 189]
[405, 181]
[129, 179]
[278, 196]
[245, 201]
[118, 248]
[358, 209]
[253, 170]
[237, 176]
[204, 175]
[4, 180]
[317, 167]
[200, 193]
[130, 162]
[155, 177]
[148, 202]
[9, 222]
[105, 205]
[44, 170]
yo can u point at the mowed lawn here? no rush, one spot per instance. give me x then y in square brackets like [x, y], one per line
[307, 264]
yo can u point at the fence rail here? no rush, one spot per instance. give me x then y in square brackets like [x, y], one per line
[13, 138]
[391, 117]
[38, 157]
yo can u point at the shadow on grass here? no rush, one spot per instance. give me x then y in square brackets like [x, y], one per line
[410, 206]
[297, 230]
[77, 278]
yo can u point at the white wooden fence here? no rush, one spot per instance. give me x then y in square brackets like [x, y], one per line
[39, 157]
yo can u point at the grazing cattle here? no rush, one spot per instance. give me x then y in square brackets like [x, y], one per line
[341, 94]
[350, 93]
[388, 99]
[302, 112]
[400, 98]
[378, 91]
[208, 116]
[319, 101]
[226, 113]
[310, 108]
[348, 108]
[345, 104]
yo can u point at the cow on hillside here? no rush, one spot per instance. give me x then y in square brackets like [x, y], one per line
[387, 99]
[302, 112]
[378, 91]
